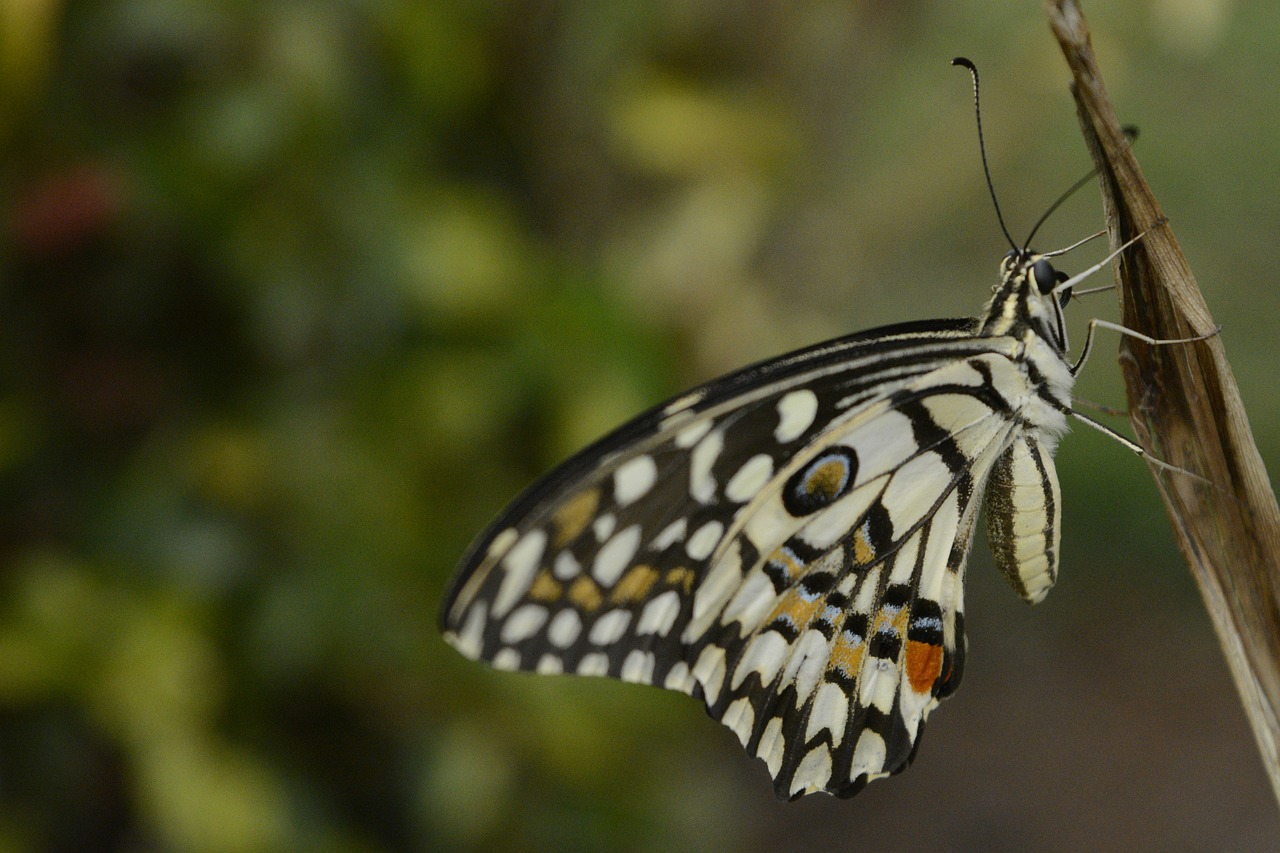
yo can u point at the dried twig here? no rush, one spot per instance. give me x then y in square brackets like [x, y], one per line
[1186, 409]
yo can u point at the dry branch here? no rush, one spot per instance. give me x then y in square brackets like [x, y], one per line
[1186, 409]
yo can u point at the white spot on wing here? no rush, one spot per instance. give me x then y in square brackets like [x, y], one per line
[830, 711]
[603, 526]
[772, 746]
[813, 772]
[750, 478]
[670, 534]
[679, 678]
[595, 663]
[808, 662]
[566, 566]
[615, 555]
[520, 563]
[659, 614]
[506, 659]
[704, 540]
[634, 479]
[565, 628]
[690, 435]
[550, 665]
[709, 670]
[523, 623]
[913, 488]
[795, 414]
[702, 483]
[638, 667]
[868, 755]
[764, 654]
[740, 717]
[610, 627]
[469, 639]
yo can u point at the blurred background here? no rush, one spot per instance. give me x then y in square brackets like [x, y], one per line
[294, 297]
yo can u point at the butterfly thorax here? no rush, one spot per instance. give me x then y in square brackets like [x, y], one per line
[1025, 308]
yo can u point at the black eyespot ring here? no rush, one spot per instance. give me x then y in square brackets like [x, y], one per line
[1045, 276]
[820, 483]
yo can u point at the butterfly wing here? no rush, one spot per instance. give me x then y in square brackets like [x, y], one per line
[786, 543]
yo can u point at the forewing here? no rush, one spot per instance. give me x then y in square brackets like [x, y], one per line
[798, 523]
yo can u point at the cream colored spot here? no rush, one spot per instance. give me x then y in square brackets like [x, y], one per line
[796, 412]
[702, 482]
[813, 772]
[638, 667]
[690, 435]
[679, 678]
[764, 654]
[506, 659]
[520, 563]
[595, 663]
[740, 717]
[868, 755]
[704, 540]
[566, 566]
[615, 555]
[773, 746]
[564, 628]
[634, 479]
[610, 627]
[709, 670]
[523, 623]
[550, 665]
[747, 482]
[603, 526]
[470, 639]
[830, 711]
[660, 614]
[671, 534]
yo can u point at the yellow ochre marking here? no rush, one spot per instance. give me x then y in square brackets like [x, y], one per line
[634, 585]
[545, 588]
[784, 558]
[795, 608]
[574, 515]
[848, 656]
[863, 552]
[584, 593]
[924, 665]
[825, 479]
[681, 578]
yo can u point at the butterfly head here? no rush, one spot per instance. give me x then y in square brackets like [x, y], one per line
[1029, 297]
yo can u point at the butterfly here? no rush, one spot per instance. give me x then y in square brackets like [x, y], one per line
[788, 543]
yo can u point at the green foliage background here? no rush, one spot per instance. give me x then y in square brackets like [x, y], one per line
[295, 296]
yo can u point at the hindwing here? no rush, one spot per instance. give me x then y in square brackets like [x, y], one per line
[787, 543]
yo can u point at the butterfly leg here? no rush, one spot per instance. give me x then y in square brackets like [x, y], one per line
[1116, 327]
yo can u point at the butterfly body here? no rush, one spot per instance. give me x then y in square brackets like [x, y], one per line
[788, 543]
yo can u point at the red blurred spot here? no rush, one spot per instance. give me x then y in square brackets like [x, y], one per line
[66, 210]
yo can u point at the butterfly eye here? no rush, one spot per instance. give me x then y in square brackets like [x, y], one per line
[1046, 277]
[1063, 296]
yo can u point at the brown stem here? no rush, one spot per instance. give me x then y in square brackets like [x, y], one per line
[1186, 409]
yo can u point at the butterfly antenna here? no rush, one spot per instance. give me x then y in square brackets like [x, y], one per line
[1131, 131]
[982, 146]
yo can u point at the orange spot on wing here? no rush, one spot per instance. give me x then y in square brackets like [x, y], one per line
[634, 585]
[545, 588]
[924, 665]
[585, 593]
